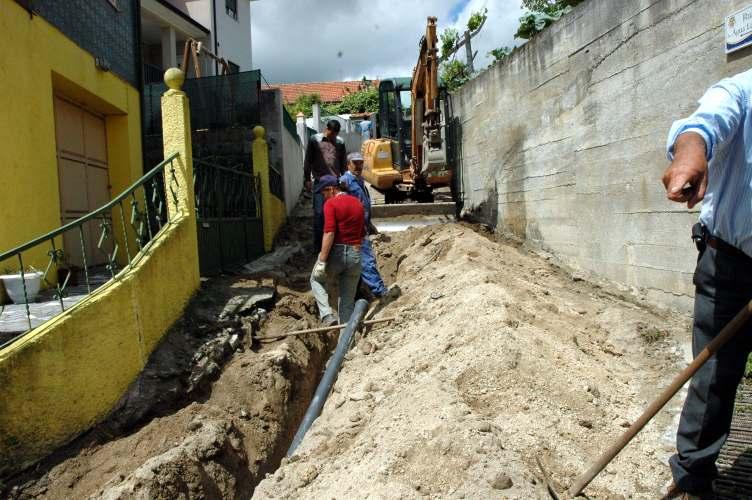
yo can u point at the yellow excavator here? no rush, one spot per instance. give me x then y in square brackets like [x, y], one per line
[408, 159]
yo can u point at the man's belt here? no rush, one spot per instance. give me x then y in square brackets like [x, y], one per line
[701, 233]
[724, 247]
[354, 247]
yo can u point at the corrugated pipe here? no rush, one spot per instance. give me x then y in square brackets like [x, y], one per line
[330, 374]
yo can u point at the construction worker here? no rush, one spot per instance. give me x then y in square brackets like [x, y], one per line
[344, 229]
[352, 182]
[711, 160]
[325, 155]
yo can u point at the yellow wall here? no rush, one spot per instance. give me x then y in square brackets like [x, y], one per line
[273, 211]
[66, 375]
[36, 62]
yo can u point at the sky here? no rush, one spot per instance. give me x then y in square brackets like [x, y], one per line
[334, 40]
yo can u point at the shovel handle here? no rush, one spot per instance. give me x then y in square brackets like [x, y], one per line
[731, 329]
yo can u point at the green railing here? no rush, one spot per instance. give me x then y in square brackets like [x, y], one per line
[90, 245]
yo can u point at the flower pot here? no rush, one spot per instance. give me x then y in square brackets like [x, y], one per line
[14, 286]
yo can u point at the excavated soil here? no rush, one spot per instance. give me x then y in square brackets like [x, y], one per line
[499, 356]
[213, 412]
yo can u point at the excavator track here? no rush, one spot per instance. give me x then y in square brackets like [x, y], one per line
[735, 461]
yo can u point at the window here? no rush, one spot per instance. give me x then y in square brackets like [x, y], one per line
[232, 67]
[231, 7]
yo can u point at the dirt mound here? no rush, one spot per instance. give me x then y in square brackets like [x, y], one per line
[499, 356]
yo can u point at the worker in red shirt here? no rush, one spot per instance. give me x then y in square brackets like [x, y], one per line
[344, 229]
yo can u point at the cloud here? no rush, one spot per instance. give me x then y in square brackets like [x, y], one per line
[324, 40]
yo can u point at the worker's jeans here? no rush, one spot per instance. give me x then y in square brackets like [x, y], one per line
[723, 285]
[318, 217]
[344, 263]
[370, 272]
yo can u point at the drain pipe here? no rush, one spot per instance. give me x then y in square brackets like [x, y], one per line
[330, 374]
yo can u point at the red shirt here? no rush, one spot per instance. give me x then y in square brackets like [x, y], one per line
[344, 216]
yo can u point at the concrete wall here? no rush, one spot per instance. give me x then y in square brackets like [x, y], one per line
[38, 63]
[284, 150]
[66, 375]
[563, 143]
[292, 155]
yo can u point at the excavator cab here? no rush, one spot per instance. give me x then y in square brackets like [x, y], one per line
[395, 120]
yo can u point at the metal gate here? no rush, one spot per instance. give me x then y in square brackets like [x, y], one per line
[228, 209]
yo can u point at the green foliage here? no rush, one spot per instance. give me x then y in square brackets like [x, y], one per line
[548, 6]
[303, 104]
[455, 74]
[499, 54]
[363, 101]
[542, 13]
[748, 371]
[476, 19]
[449, 38]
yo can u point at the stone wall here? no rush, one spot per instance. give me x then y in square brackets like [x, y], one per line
[563, 143]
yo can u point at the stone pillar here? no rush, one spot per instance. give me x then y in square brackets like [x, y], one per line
[317, 117]
[169, 48]
[301, 126]
[176, 137]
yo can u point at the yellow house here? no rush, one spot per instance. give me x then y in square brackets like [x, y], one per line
[70, 126]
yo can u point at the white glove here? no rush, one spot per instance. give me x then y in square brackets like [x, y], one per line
[319, 271]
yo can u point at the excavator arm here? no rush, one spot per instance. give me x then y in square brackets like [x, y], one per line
[428, 148]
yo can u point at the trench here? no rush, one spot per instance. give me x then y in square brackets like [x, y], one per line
[214, 411]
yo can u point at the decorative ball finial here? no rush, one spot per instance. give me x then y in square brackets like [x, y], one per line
[259, 132]
[174, 78]
[300, 113]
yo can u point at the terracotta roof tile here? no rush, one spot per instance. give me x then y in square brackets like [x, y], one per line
[329, 91]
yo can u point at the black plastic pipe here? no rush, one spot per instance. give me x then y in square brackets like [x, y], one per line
[330, 374]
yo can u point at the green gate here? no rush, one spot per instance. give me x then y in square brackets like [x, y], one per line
[228, 209]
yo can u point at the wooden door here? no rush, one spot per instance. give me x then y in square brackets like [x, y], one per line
[84, 179]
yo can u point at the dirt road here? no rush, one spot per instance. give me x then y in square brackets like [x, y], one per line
[499, 356]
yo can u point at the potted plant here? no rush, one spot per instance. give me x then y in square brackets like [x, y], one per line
[14, 285]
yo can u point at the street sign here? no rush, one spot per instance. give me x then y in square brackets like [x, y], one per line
[739, 30]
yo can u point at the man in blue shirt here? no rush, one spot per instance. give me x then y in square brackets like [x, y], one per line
[711, 161]
[352, 182]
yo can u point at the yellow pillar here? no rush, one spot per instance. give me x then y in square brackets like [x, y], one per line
[272, 208]
[176, 138]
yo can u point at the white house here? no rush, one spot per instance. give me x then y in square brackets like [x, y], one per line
[222, 26]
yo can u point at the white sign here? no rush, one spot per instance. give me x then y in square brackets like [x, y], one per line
[739, 30]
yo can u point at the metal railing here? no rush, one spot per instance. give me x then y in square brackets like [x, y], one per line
[130, 221]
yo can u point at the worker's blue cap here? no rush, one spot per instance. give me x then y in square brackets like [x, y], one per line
[355, 157]
[326, 181]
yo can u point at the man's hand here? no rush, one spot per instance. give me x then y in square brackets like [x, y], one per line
[319, 271]
[686, 179]
[307, 185]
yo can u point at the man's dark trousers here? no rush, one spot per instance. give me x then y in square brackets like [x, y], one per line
[318, 217]
[723, 285]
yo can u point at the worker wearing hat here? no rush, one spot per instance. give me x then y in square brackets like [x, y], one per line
[344, 229]
[352, 182]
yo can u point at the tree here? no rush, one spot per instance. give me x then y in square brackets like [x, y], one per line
[449, 38]
[455, 74]
[363, 101]
[303, 104]
[451, 43]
